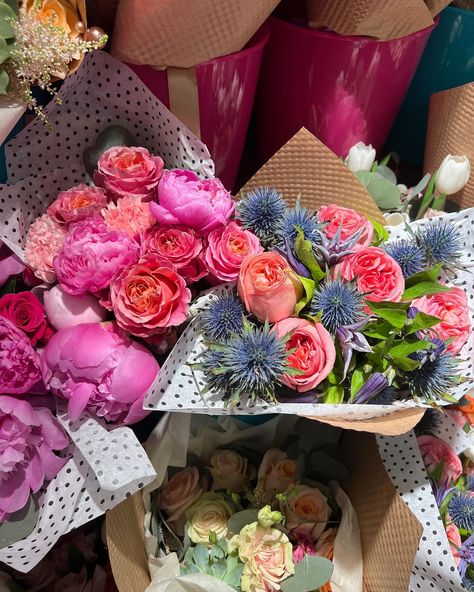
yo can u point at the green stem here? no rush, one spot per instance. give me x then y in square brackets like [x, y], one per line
[427, 198]
[439, 202]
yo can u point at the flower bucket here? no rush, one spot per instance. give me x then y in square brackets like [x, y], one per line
[446, 63]
[343, 89]
[226, 89]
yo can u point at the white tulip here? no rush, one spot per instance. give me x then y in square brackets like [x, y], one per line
[361, 157]
[453, 174]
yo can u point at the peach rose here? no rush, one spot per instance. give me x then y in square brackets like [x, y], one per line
[306, 507]
[57, 13]
[348, 220]
[229, 470]
[180, 492]
[267, 557]
[451, 307]
[276, 472]
[434, 450]
[454, 539]
[268, 287]
[313, 352]
[376, 273]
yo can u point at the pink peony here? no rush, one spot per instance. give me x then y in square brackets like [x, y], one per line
[130, 215]
[227, 248]
[180, 246]
[19, 363]
[376, 274]
[185, 199]
[9, 264]
[451, 307]
[92, 255]
[434, 450]
[44, 241]
[149, 296]
[78, 203]
[27, 313]
[348, 220]
[28, 439]
[124, 170]
[64, 310]
[95, 366]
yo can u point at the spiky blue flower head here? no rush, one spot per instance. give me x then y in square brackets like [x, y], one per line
[461, 510]
[338, 303]
[433, 379]
[440, 242]
[386, 397]
[261, 212]
[299, 217]
[468, 583]
[215, 375]
[223, 317]
[408, 255]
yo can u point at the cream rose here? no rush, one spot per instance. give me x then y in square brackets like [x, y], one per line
[208, 515]
[180, 492]
[306, 507]
[229, 470]
[276, 472]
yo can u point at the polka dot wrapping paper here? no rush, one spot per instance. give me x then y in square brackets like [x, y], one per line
[180, 387]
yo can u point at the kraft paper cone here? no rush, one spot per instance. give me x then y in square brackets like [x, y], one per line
[381, 19]
[436, 6]
[451, 131]
[181, 33]
[465, 4]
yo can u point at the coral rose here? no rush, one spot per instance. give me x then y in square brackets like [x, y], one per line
[306, 508]
[269, 287]
[44, 241]
[180, 492]
[124, 170]
[150, 296]
[451, 307]
[226, 248]
[313, 352]
[376, 274]
[185, 199]
[349, 221]
[276, 472]
[129, 214]
[434, 450]
[209, 514]
[77, 203]
[27, 313]
[229, 470]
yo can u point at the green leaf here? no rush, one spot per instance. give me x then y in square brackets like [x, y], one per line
[422, 321]
[309, 287]
[335, 395]
[406, 348]
[4, 82]
[357, 381]
[427, 198]
[393, 312]
[241, 519]
[328, 468]
[437, 473]
[380, 232]
[419, 187]
[429, 275]
[310, 574]
[379, 329]
[385, 194]
[423, 289]
[385, 160]
[406, 364]
[201, 557]
[304, 253]
[4, 50]
[6, 15]
[387, 173]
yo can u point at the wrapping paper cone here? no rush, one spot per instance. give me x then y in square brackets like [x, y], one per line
[451, 131]
[382, 19]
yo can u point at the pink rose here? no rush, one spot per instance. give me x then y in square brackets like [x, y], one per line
[276, 472]
[306, 508]
[227, 248]
[64, 310]
[19, 363]
[44, 241]
[376, 274]
[129, 214]
[451, 307]
[78, 203]
[180, 492]
[185, 199]
[313, 352]
[9, 264]
[149, 296]
[304, 545]
[27, 313]
[434, 450]
[124, 170]
[269, 287]
[180, 246]
[92, 255]
[350, 220]
[454, 539]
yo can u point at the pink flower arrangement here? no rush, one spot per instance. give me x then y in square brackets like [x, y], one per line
[78, 203]
[43, 242]
[129, 214]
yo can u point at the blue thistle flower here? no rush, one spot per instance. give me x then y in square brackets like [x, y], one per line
[408, 255]
[261, 212]
[468, 583]
[211, 365]
[223, 317]
[299, 217]
[461, 510]
[338, 303]
[440, 242]
[386, 397]
[433, 379]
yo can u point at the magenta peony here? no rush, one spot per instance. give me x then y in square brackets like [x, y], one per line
[28, 438]
[19, 363]
[92, 255]
[95, 366]
[184, 198]
[44, 241]
[77, 203]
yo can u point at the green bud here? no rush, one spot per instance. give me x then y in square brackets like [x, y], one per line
[267, 517]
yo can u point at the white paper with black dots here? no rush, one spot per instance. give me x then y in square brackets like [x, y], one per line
[180, 387]
[434, 568]
[107, 465]
[42, 161]
[451, 432]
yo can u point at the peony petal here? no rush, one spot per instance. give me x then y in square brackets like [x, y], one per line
[51, 430]
[34, 473]
[20, 409]
[134, 374]
[52, 464]
[79, 399]
[14, 492]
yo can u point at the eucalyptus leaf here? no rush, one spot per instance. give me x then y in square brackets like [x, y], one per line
[385, 194]
[387, 173]
[4, 82]
[310, 574]
[241, 519]
[4, 50]
[6, 16]
[201, 557]
[419, 187]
